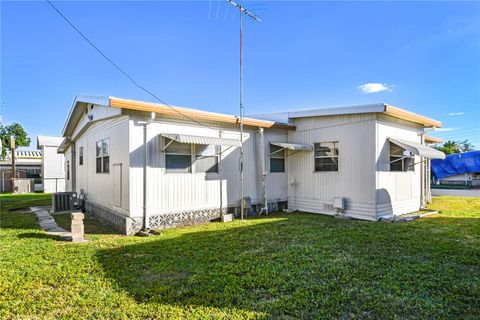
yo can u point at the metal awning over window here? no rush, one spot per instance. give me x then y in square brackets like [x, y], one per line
[293, 146]
[419, 149]
[184, 138]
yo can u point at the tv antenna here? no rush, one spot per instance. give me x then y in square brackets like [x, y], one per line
[242, 11]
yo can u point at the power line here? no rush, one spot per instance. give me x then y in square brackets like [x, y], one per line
[121, 70]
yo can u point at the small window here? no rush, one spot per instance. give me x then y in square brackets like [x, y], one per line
[178, 156]
[326, 156]
[68, 170]
[206, 158]
[102, 156]
[399, 161]
[277, 159]
[80, 156]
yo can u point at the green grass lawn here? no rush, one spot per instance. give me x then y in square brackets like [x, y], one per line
[282, 266]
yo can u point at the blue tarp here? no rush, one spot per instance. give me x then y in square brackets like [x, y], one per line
[457, 163]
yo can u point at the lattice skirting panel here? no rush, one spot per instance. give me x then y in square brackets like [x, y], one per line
[184, 218]
[118, 221]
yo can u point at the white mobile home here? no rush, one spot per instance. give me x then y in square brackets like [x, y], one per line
[53, 169]
[151, 165]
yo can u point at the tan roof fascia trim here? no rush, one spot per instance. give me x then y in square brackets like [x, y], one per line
[410, 116]
[195, 114]
[429, 139]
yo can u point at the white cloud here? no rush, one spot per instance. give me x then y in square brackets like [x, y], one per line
[445, 129]
[451, 114]
[374, 87]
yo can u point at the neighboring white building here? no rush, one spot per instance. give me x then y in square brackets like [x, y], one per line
[141, 163]
[53, 172]
[28, 167]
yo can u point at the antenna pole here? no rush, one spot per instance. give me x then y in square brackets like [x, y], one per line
[242, 11]
[242, 203]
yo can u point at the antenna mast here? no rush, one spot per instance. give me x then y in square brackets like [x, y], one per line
[242, 11]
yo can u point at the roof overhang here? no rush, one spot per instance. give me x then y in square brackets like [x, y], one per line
[48, 141]
[293, 146]
[65, 144]
[78, 109]
[368, 108]
[193, 114]
[429, 139]
[184, 138]
[82, 102]
[411, 116]
[419, 149]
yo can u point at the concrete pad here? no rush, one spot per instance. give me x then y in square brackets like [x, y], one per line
[42, 214]
[46, 220]
[48, 226]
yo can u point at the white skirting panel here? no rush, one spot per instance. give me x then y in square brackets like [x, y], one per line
[396, 208]
[355, 210]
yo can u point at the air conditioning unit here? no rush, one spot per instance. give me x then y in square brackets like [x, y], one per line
[64, 201]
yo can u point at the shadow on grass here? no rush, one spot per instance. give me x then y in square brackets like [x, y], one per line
[36, 235]
[302, 266]
[92, 224]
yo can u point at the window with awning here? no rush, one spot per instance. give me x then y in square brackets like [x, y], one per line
[293, 146]
[179, 149]
[193, 139]
[418, 149]
[402, 152]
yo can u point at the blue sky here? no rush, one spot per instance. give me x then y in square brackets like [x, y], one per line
[425, 56]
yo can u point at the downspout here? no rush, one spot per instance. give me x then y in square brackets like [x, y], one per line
[145, 224]
[220, 174]
[263, 173]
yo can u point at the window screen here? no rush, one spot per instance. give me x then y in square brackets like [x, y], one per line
[68, 170]
[206, 158]
[102, 156]
[80, 157]
[398, 161]
[277, 159]
[326, 156]
[178, 156]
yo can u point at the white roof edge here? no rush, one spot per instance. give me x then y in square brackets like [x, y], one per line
[365, 108]
[48, 141]
[284, 116]
[100, 100]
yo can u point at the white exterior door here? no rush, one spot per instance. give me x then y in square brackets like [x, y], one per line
[117, 184]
